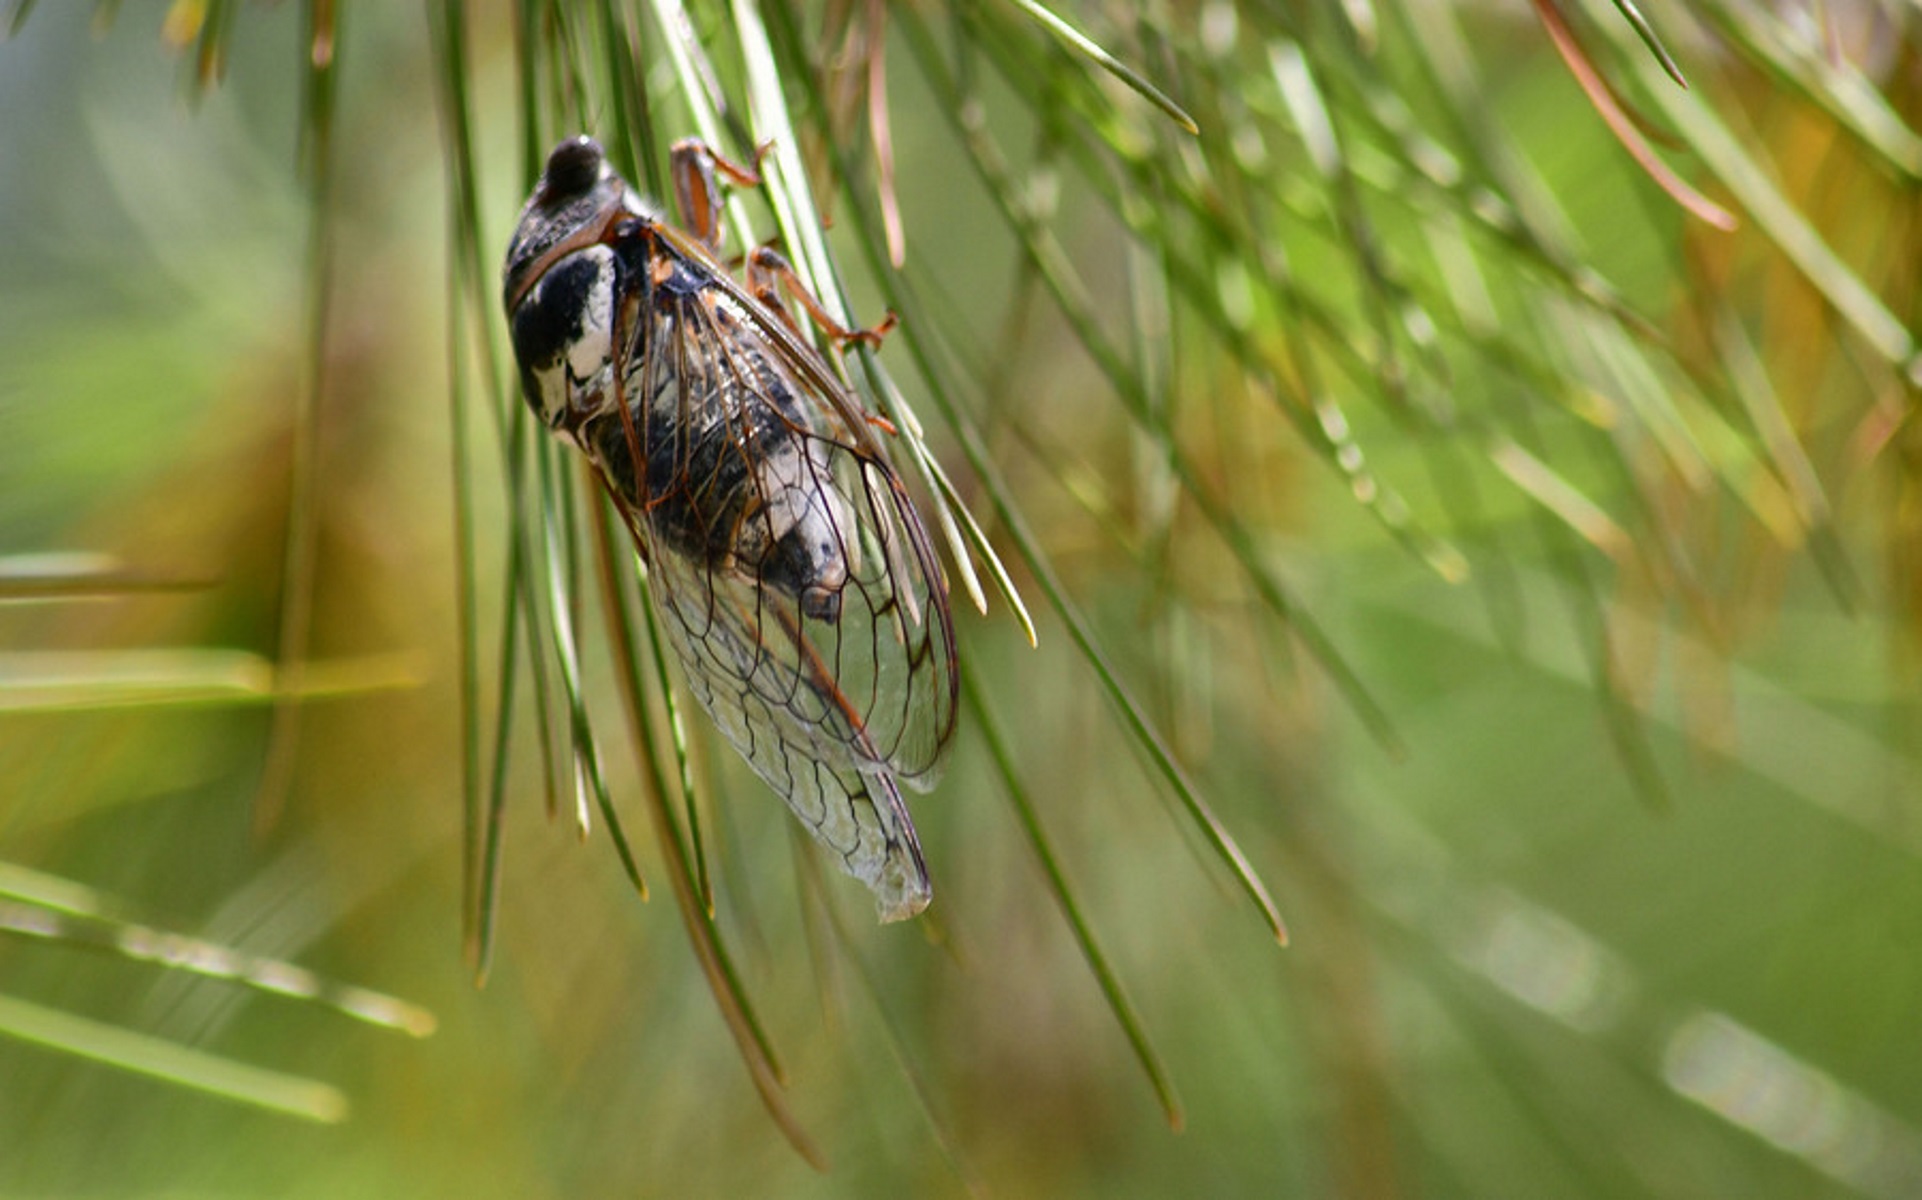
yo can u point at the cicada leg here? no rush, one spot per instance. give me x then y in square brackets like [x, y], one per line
[697, 169]
[769, 275]
[697, 193]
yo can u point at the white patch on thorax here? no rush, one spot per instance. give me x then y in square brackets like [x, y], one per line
[577, 379]
[593, 349]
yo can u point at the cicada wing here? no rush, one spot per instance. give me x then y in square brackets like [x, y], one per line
[796, 583]
[766, 692]
[894, 641]
[885, 635]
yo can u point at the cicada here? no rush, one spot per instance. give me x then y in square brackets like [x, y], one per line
[794, 578]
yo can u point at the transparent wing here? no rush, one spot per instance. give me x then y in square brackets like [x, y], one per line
[796, 582]
[782, 721]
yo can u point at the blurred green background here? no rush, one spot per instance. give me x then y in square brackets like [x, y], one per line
[1521, 568]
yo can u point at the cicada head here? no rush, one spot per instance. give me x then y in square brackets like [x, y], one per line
[562, 281]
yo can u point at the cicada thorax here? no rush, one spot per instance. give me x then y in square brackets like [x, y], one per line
[564, 331]
[566, 270]
[732, 471]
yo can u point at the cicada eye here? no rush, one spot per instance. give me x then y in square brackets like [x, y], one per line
[573, 167]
